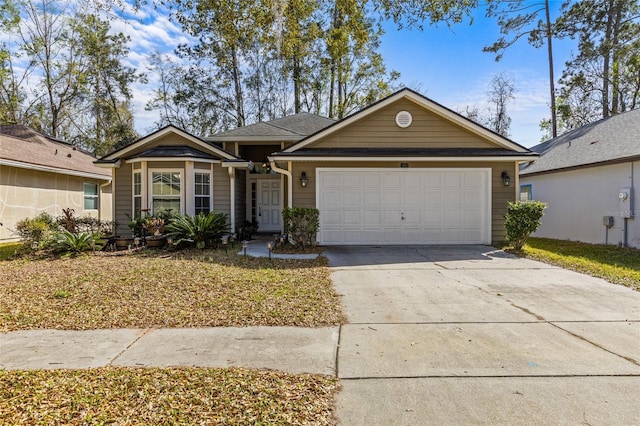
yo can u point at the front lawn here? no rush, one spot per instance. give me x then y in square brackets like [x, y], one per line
[183, 289]
[9, 249]
[615, 264]
[155, 396]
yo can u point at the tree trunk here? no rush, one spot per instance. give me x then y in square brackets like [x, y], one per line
[237, 85]
[615, 52]
[552, 88]
[296, 83]
[606, 59]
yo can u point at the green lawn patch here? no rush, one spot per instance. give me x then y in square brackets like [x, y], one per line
[618, 265]
[9, 249]
[198, 288]
[164, 396]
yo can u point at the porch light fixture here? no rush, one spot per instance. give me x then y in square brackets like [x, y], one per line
[303, 179]
[506, 180]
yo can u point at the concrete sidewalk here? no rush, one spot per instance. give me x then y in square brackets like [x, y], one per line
[290, 349]
[258, 248]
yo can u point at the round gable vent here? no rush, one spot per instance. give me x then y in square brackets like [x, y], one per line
[404, 119]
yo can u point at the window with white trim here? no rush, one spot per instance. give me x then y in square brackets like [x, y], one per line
[202, 190]
[90, 196]
[166, 191]
[137, 193]
[526, 192]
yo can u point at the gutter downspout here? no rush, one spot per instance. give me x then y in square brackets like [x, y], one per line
[287, 173]
[232, 188]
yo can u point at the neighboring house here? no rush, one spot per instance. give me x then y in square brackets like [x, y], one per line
[404, 170]
[41, 174]
[588, 177]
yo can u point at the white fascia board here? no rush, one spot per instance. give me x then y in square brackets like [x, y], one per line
[235, 164]
[387, 159]
[107, 165]
[164, 132]
[423, 102]
[41, 168]
[199, 160]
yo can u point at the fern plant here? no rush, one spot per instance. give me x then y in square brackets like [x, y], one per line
[199, 230]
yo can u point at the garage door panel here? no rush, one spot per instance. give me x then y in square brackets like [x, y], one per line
[330, 181]
[452, 180]
[352, 217]
[391, 181]
[413, 198]
[412, 217]
[391, 198]
[372, 199]
[373, 181]
[331, 217]
[408, 206]
[391, 217]
[371, 217]
[352, 198]
[412, 180]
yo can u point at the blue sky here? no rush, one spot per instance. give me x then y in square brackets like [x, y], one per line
[444, 63]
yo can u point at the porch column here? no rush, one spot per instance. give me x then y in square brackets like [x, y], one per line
[189, 189]
[232, 198]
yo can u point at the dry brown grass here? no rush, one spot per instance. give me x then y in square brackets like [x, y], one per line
[184, 289]
[125, 396]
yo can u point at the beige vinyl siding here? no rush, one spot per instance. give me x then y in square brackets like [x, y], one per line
[25, 193]
[221, 190]
[379, 130]
[306, 197]
[123, 198]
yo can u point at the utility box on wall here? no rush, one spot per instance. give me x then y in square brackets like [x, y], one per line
[625, 198]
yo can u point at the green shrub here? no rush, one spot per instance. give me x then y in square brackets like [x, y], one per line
[68, 242]
[37, 229]
[200, 230]
[522, 220]
[301, 224]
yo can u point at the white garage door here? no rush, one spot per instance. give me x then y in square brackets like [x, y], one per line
[404, 206]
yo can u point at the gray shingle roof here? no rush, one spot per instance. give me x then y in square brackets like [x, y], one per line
[23, 145]
[175, 151]
[293, 127]
[610, 139]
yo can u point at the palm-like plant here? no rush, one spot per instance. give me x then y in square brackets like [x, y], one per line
[199, 230]
[69, 242]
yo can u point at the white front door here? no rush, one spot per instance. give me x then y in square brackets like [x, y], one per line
[269, 209]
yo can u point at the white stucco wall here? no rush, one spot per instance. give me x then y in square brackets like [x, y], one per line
[25, 193]
[578, 199]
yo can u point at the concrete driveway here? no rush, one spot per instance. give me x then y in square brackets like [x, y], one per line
[470, 335]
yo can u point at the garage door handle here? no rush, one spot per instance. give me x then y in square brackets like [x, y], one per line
[402, 216]
[259, 211]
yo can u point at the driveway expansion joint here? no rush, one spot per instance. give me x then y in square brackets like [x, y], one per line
[584, 339]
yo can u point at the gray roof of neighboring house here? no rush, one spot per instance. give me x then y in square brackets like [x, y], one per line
[24, 147]
[611, 139]
[290, 128]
